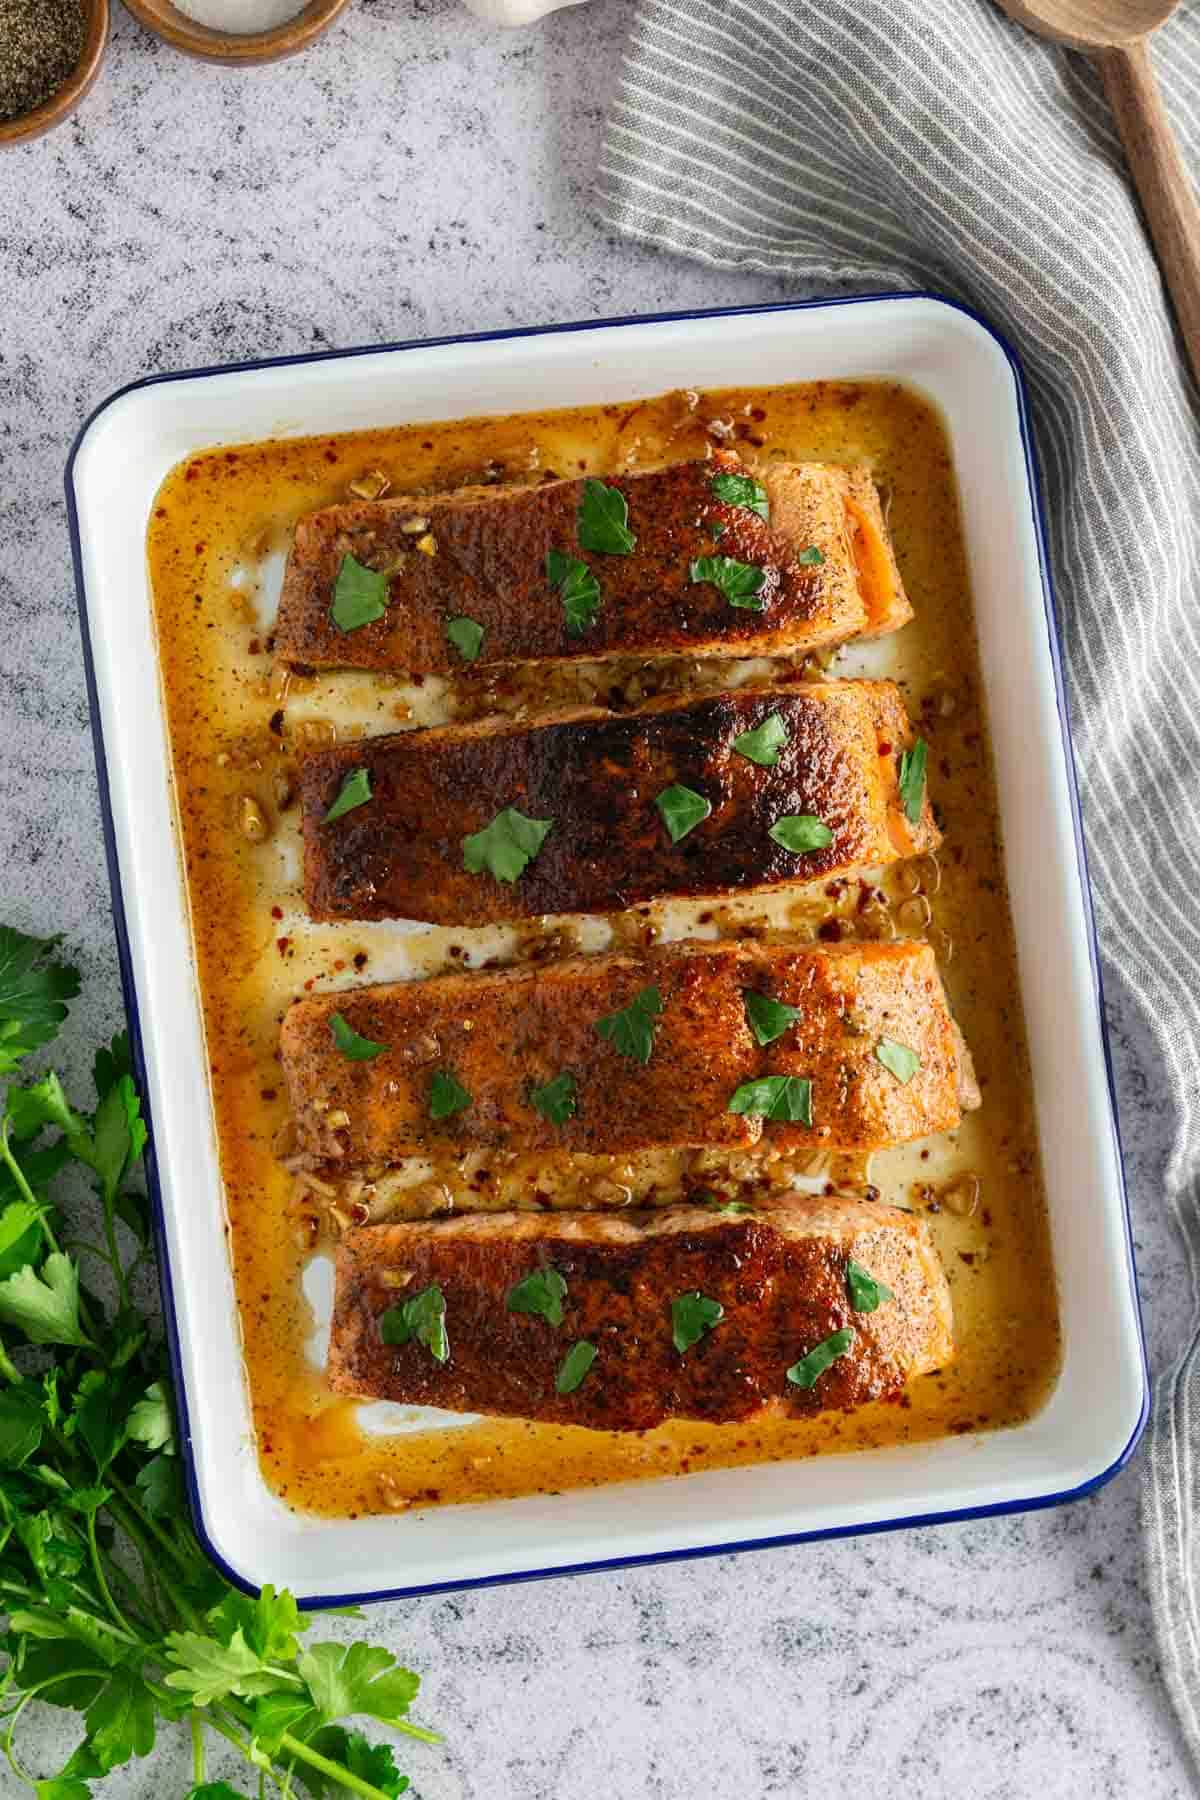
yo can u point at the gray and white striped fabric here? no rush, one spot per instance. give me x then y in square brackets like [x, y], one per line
[901, 143]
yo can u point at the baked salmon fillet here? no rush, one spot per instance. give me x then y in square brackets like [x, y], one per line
[474, 824]
[621, 1322]
[613, 1053]
[822, 570]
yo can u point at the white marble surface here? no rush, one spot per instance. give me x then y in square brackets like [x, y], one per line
[420, 172]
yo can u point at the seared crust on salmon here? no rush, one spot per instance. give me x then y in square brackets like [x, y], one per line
[480, 553]
[597, 779]
[780, 1278]
[502, 1034]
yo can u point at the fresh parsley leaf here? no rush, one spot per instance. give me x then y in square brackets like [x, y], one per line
[764, 743]
[215, 1790]
[207, 1670]
[348, 1042]
[150, 1421]
[865, 1292]
[45, 1304]
[811, 556]
[160, 1486]
[111, 1061]
[631, 1031]
[360, 595]
[682, 809]
[356, 1680]
[912, 780]
[507, 846]
[270, 1622]
[66, 1787]
[34, 990]
[574, 1366]
[578, 588]
[741, 583]
[742, 490]
[372, 1763]
[44, 1103]
[807, 1372]
[20, 1427]
[120, 1720]
[768, 1019]
[354, 791]
[541, 1293]
[603, 520]
[555, 1099]
[716, 530]
[691, 1316]
[786, 1097]
[447, 1095]
[800, 832]
[20, 1236]
[466, 635]
[898, 1059]
[423, 1318]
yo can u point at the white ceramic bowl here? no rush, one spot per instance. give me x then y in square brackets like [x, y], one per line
[1092, 1421]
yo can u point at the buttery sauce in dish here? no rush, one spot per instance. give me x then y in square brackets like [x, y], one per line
[217, 543]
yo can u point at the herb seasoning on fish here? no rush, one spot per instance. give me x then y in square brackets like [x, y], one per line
[41, 42]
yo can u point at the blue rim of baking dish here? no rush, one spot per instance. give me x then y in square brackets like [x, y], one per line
[1036, 1502]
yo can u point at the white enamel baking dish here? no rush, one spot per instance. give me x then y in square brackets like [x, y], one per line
[1095, 1415]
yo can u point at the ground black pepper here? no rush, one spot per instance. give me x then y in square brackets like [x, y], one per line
[41, 41]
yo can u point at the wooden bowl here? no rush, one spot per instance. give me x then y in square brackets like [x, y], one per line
[61, 104]
[236, 48]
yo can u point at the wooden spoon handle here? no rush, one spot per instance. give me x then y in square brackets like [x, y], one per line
[1167, 195]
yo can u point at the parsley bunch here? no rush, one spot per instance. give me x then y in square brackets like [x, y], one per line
[113, 1609]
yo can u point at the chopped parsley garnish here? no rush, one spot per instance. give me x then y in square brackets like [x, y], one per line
[423, 1318]
[763, 744]
[603, 523]
[574, 1366]
[808, 1371]
[631, 1031]
[716, 530]
[466, 635]
[899, 1059]
[811, 556]
[682, 809]
[507, 846]
[354, 791]
[742, 490]
[716, 1204]
[541, 1293]
[578, 590]
[447, 1095]
[799, 832]
[691, 1316]
[359, 595]
[786, 1097]
[768, 1019]
[353, 1047]
[912, 780]
[741, 583]
[866, 1294]
[555, 1100]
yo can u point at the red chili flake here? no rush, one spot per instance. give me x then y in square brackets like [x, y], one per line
[360, 963]
[275, 723]
[281, 945]
[277, 912]
[338, 964]
[331, 456]
[885, 749]
[160, 512]
[191, 472]
[255, 647]
[830, 931]
[967, 1256]
[199, 549]
[268, 1093]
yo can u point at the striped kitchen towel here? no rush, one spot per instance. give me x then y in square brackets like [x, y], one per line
[929, 143]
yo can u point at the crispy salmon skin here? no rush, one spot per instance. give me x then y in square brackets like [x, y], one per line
[600, 781]
[503, 1036]
[780, 1286]
[829, 573]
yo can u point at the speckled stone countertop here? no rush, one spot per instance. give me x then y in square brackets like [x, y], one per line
[416, 173]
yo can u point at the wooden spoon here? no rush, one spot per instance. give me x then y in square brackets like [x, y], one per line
[1117, 32]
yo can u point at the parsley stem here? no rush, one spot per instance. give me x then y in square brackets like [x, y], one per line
[199, 1763]
[98, 1570]
[8, 1368]
[151, 1527]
